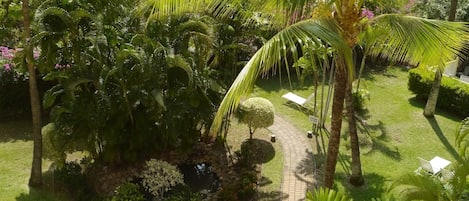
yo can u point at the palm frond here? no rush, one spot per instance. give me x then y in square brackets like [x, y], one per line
[419, 187]
[274, 52]
[55, 19]
[462, 139]
[162, 8]
[417, 40]
[326, 194]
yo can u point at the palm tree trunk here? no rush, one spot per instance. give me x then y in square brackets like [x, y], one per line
[430, 107]
[36, 168]
[452, 10]
[336, 122]
[356, 178]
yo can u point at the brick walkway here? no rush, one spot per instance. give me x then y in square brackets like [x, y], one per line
[298, 168]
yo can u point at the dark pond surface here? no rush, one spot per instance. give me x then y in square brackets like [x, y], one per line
[200, 178]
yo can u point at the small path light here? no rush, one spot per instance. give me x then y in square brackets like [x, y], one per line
[310, 134]
[272, 138]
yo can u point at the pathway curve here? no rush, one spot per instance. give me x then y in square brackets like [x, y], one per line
[298, 168]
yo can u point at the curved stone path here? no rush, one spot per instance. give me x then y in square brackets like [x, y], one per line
[298, 168]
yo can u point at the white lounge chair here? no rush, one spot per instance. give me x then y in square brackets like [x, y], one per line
[297, 99]
[433, 166]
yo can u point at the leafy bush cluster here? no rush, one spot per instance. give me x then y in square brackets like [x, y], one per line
[453, 94]
[127, 192]
[359, 99]
[159, 177]
[13, 83]
[71, 177]
[243, 185]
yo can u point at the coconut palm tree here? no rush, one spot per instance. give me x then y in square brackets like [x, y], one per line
[336, 23]
[36, 168]
[430, 107]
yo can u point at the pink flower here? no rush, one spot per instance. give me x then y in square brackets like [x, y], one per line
[7, 67]
[367, 13]
[36, 54]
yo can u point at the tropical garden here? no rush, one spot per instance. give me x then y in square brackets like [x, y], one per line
[129, 100]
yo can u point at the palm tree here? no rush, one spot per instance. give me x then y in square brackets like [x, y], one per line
[430, 107]
[36, 169]
[452, 10]
[337, 24]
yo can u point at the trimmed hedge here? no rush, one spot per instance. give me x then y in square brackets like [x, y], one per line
[453, 95]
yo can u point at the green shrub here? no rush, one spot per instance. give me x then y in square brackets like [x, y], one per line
[453, 94]
[359, 99]
[256, 113]
[14, 93]
[183, 193]
[128, 192]
[71, 177]
[159, 177]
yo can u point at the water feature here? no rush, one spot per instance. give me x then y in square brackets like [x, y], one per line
[200, 177]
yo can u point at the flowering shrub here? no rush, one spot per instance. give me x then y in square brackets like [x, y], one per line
[6, 58]
[13, 84]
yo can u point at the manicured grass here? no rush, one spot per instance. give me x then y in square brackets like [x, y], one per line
[15, 166]
[397, 134]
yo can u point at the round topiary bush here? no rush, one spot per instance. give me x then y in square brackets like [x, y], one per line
[256, 113]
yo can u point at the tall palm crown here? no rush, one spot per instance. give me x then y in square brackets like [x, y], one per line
[334, 23]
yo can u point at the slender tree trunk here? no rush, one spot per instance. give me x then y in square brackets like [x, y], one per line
[430, 107]
[36, 168]
[356, 178]
[452, 10]
[336, 122]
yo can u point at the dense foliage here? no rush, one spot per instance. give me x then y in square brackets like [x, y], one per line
[439, 9]
[125, 87]
[128, 191]
[453, 92]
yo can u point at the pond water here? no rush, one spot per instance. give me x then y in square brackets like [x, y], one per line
[200, 177]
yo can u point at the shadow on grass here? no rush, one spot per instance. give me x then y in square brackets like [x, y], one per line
[439, 133]
[374, 187]
[381, 142]
[420, 103]
[36, 195]
[275, 84]
[15, 129]
[260, 151]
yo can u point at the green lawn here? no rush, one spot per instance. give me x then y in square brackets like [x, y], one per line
[15, 166]
[398, 132]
